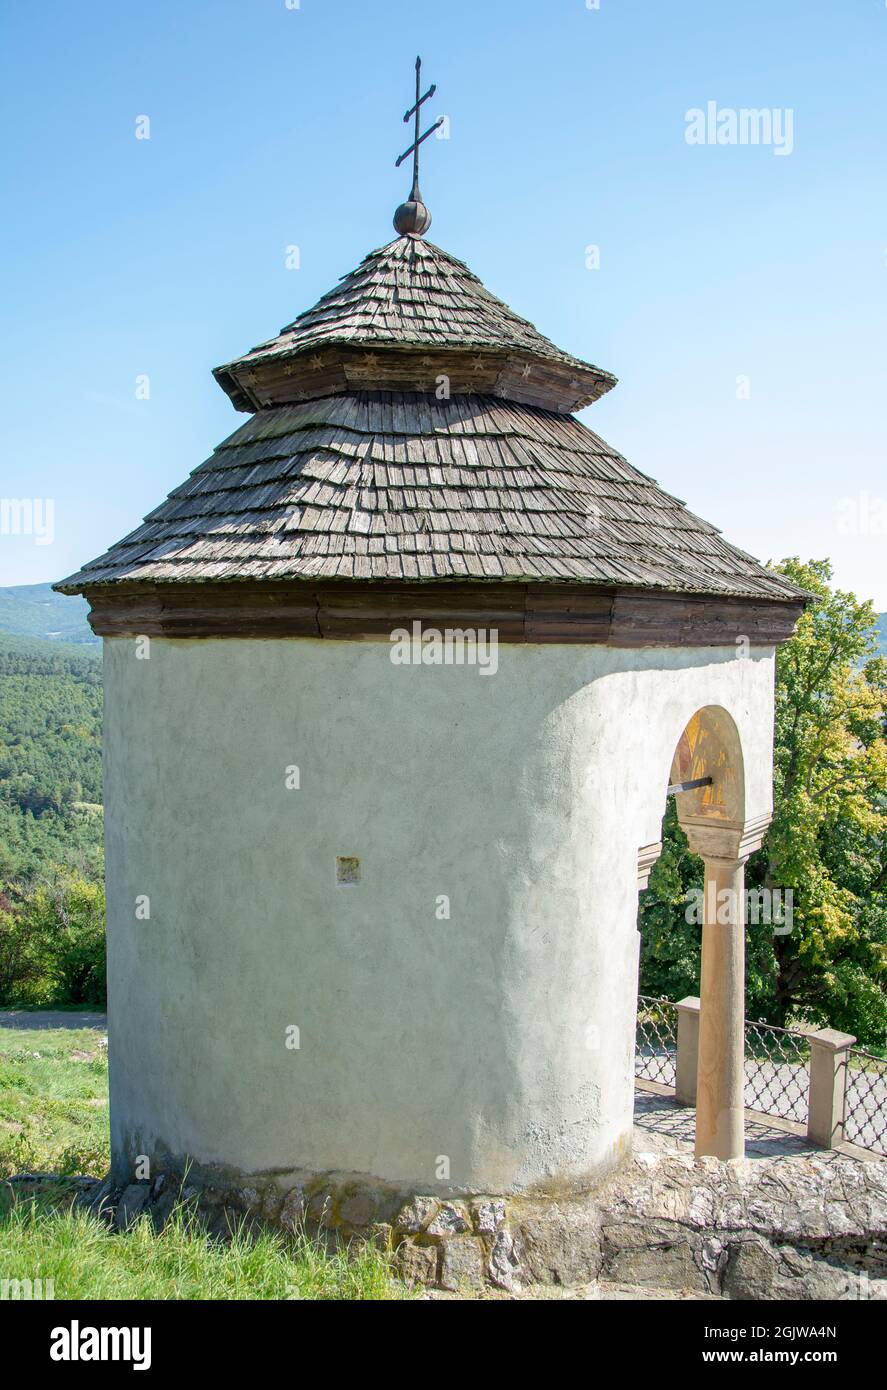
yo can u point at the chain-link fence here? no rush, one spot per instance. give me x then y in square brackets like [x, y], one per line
[655, 1057]
[865, 1101]
[777, 1071]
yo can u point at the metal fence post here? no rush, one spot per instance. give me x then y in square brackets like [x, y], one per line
[687, 1051]
[828, 1082]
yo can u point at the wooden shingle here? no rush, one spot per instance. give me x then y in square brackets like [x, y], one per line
[524, 495]
[409, 314]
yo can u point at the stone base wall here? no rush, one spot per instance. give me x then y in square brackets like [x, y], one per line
[783, 1228]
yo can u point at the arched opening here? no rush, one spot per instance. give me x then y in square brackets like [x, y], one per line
[708, 786]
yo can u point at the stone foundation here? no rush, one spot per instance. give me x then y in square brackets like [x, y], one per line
[789, 1227]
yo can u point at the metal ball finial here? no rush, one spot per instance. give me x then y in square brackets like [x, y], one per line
[412, 218]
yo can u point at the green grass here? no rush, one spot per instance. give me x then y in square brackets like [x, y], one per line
[53, 1101]
[54, 1118]
[41, 1239]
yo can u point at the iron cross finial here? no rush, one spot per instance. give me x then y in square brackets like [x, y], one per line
[412, 217]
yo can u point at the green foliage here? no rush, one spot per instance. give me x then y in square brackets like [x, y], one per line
[670, 949]
[21, 963]
[52, 942]
[50, 758]
[827, 841]
[829, 831]
[51, 900]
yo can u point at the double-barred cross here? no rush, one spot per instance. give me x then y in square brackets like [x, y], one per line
[415, 111]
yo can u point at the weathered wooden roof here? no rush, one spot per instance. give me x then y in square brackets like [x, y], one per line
[408, 314]
[400, 486]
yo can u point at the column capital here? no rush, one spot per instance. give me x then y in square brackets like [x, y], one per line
[729, 840]
[647, 856]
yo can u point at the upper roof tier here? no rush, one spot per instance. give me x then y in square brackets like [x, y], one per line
[407, 316]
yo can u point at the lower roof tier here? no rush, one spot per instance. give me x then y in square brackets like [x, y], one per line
[382, 486]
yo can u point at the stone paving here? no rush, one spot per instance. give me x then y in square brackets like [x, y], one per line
[52, 1018]
[662, 1125]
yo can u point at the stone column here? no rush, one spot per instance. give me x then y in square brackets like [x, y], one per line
[828, 1080]
[720, 1075]
[720, 1079]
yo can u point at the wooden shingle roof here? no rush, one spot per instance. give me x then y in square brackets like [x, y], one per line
[411, 430]
[399, 486]
[408, 314]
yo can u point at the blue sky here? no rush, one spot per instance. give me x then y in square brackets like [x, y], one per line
[273, 126]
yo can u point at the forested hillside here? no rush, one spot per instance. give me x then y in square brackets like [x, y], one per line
[33, 610]
[50, 757]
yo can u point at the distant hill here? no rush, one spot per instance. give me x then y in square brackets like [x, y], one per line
[33, 610]
[882, 632]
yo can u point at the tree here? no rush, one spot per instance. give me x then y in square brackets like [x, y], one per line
[826, 843]
[829, 830]
[52, 942]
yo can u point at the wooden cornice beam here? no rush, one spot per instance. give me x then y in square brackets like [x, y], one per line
[518, 613]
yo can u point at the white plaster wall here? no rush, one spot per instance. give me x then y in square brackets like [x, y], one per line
[502, 1038]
